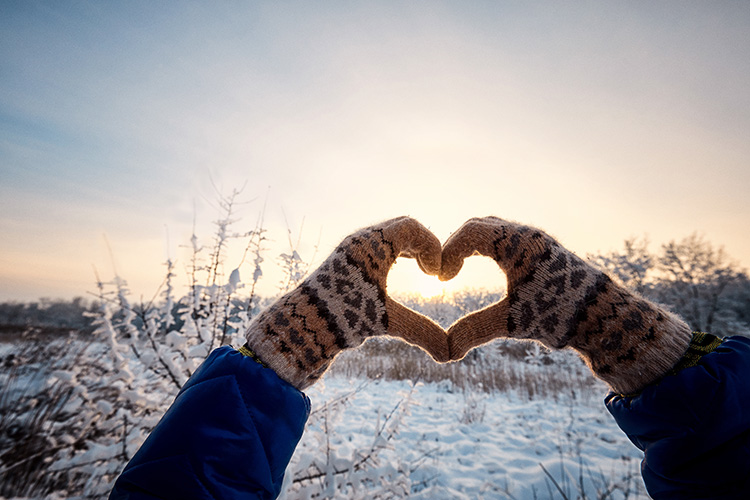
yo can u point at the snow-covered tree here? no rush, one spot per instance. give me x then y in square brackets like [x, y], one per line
[696, 279]
[699, 281]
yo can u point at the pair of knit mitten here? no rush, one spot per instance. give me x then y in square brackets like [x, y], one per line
[553, 297]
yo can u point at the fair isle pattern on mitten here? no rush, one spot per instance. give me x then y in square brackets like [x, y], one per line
[343, 303]
[560, 300]
[337, 307]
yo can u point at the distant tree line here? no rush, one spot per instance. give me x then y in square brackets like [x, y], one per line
[696, 280]
[75, 314]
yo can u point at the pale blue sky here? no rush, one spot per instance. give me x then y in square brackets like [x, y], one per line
[593, 120]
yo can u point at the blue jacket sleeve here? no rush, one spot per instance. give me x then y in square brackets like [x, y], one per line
[694, 427]
[229, 434]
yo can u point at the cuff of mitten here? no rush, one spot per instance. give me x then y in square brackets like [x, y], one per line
[278, 358]
[700, 345]
[273, 353]
[246, 351]
[649, 360]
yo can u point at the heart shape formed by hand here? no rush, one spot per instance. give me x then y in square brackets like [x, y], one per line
[345, 301]
[413, 240]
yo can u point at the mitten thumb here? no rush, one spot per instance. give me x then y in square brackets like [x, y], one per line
[418, 330]
[476, 329]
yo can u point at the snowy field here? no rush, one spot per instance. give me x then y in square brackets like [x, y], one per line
[433, 441]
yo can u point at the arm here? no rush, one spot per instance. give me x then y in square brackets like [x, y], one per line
[694, 424]
[558, 299]
[681, 398]
[233, 428]
[230, 433]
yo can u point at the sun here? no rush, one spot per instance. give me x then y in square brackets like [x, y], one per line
[428, 286]
[406, 278]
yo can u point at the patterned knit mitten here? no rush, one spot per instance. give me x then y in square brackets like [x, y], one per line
[560, 300]
[344, 302]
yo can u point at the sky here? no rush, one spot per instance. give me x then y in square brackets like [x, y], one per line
[123, 123]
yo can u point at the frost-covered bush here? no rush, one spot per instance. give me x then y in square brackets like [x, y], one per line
[95, 400]
[30, 412]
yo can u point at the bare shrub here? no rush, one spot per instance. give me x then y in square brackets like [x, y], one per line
[32, 410]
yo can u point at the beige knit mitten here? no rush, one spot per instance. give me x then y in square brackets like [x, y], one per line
[344, 302]
[560, 300]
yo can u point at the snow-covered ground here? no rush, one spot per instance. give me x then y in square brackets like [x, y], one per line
[436, 442]
[374, 438]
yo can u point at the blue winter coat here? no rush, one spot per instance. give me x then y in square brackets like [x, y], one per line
[230, 433]
[694, 426]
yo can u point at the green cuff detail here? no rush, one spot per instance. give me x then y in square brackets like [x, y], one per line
[246, 351]
[700, 345]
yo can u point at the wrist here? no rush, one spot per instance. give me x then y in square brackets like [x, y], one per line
[296, 364]
[292, 338]
[245, 350]
[652, 360]
[700, 344]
